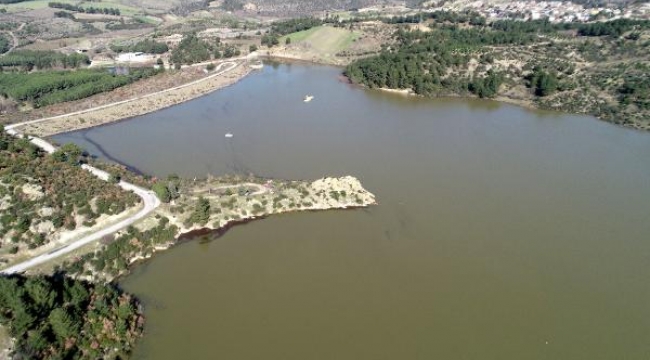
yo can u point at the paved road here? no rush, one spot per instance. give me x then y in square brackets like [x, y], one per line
[148, 197]
[151, 202]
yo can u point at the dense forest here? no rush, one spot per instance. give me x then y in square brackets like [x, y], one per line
[423, 60]
[193, 50]
[61, 318]
[35, 59]
[146, 46]
[44, 194]
[556, 66]
[293, 25]
[51, 87]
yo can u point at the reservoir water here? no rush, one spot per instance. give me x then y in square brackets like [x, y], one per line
[500, 233]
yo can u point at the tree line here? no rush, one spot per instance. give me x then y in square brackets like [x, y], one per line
[51, 87]
[285, 27]
[88, 10]
[39, 59]
[280, 28]
[439, 16]
[612, 28]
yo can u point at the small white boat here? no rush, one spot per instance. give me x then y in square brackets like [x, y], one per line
[228, 135]
[308, 98]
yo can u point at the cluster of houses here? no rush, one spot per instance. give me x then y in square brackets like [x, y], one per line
[555, 11]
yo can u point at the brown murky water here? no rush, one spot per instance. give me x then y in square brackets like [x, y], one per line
[501, 233]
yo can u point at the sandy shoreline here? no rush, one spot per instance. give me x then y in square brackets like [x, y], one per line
[129, 108]
[281, 56]
[405, 92]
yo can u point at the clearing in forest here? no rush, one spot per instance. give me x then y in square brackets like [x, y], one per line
[325, 40]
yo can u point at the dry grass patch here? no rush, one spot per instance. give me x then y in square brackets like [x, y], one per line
[325, 40]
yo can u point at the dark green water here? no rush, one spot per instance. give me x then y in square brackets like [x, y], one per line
[500, 234]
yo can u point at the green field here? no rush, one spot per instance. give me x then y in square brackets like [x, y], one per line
[323, 39]
[30, 5]
[40, 4]
[300, 35]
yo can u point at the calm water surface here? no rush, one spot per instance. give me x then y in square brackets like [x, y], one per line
[501, 233]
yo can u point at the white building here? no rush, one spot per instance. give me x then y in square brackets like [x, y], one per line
[134, 57]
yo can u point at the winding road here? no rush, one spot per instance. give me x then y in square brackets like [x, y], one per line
[148, 197]
[151, 202]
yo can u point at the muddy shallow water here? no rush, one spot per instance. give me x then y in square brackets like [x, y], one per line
[500, 233]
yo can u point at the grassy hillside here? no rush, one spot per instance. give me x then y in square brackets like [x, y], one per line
[325, 40]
